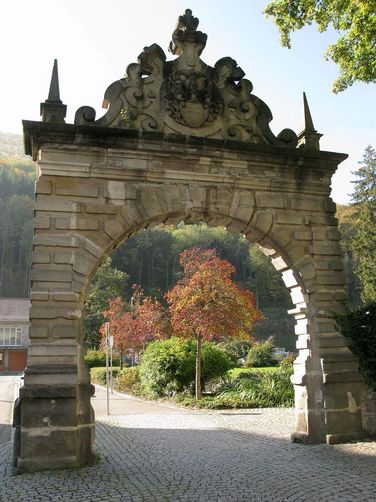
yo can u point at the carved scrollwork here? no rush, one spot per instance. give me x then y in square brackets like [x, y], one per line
[186, 95]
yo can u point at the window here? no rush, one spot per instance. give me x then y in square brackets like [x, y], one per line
[10, 336]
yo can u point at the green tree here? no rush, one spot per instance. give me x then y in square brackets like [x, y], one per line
[355, 20]
[108, 283]
[364, 241]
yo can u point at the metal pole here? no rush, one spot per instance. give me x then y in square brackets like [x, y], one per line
[107, 369]
[111, 345]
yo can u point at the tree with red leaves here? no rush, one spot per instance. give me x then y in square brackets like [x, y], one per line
[206, 303]
[121, 327]
[134, 329]
[150, 319]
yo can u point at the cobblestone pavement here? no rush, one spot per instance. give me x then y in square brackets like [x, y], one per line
[203, 456]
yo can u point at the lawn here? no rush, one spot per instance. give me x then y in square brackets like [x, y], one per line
[236, 371]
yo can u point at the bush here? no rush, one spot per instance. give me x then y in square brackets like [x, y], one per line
[261, 354]
[98, 375]
[287, 362]
[236, 349]
[97, 358]
[215, 363]
[129, 380]
[168, 366]
[359, 328]
[252, 390]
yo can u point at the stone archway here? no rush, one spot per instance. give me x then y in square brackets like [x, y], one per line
[180, 141]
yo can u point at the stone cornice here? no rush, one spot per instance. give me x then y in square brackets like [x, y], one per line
[39, 134]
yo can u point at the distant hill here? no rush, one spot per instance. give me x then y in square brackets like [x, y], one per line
[11, 146]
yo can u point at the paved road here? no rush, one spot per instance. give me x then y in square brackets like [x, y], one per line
[8, 385]
[153, 453]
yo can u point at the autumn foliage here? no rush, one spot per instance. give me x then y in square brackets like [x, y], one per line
[206, 303]
[133, 327]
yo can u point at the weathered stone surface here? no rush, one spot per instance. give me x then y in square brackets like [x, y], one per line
[196, 152]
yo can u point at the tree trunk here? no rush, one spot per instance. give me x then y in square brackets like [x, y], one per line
[198, 368]
[121, 360]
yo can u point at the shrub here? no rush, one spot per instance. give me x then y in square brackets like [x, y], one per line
[168, 366]
[236, 349]
[215, 362]
[249, 390]
[129, 380]
[358, 326]
[257, 390]
[98, 375]
[97, 358]
[287, 362]
[261, 354]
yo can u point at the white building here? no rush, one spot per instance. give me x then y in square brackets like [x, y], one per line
[14, 333]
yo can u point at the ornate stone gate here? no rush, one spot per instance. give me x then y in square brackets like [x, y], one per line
[180, 141]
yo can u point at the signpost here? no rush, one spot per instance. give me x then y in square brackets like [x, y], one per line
[111, 340]
[107, 327]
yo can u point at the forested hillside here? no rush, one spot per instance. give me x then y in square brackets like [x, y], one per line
[17, 174]
[150, 258]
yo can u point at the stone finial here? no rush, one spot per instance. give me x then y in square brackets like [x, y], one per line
[309, 138]
[53, 109]
[186, 34]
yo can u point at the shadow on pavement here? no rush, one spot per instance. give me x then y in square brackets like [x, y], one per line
[156, 463]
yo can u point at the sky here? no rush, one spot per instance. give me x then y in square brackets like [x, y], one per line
[95, 40]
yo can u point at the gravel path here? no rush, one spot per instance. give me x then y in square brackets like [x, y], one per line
[178, 455]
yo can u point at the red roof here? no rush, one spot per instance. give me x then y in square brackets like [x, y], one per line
[14, 309]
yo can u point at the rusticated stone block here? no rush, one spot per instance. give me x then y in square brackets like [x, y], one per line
[43, 186]
[279, 263]
[39, 295]
[47, 312]
[38, 331]
[41, 256]
[152, 202]
[131, 215]
[306, 204]
[93, 248]
[270, 200]
[84, 263]
[113, 229]
[65, 296]
[51, 275]
[76, 224]
[57, 206]
[53, 240]
[289, 218]
[114, 190]
[242, 206]
[71, 187]
[100, 208]
[262, 222]
[174, 199]
[64, 331]
[289, 278]
[330, 277]
[42, 221]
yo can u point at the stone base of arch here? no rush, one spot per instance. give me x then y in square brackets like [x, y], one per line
[95, 188]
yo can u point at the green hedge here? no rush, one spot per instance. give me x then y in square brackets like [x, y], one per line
[359, 328]
[97, 358]
[98, 375]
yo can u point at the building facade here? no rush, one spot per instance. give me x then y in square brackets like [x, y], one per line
[14, 333]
